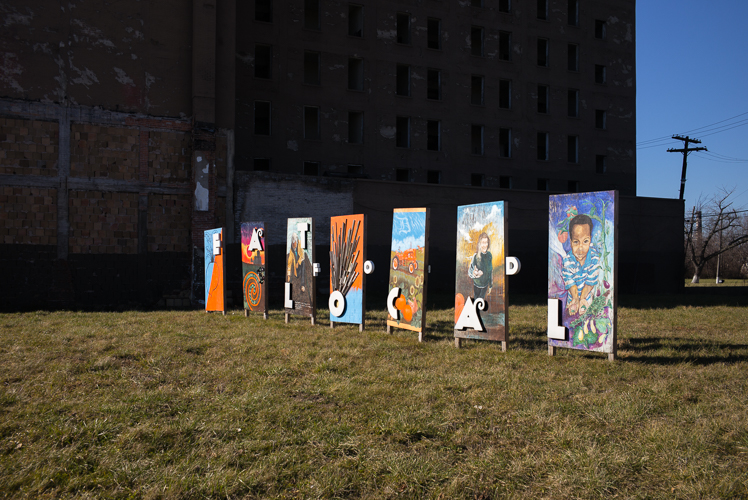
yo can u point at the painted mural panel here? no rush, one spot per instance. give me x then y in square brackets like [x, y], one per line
[408, 269]
[347, 256]
[254, 284]
[215, 274]
[582, 244]
[480, 275]
[300, 299]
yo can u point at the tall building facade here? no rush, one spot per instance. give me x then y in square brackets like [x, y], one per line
[520, 94]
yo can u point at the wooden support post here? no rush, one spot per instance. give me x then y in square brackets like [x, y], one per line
[286, 317]
[458, 342]
[420, 336]
[611, 356]
[360, 328]
[332, 324]
[551, 350]
[389, 329]
[312, 320]
[246, 313]
[265, 315]
[503, 346]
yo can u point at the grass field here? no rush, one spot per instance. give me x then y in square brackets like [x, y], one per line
[710, 282]
[184, 404]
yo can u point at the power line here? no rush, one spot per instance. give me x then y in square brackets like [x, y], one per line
[726, 127]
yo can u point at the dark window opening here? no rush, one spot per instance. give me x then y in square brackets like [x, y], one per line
[542, 52]
[433, 177]
[476, 180]
[600, 29]
[402, 87]
[505, 142]
[505, 5]
[572, 149]
[476, 3]
[505, 94]
[476, 41]
[572, 57]
[600, 164]
[311, 68]
[262, 118]
[476, 90]
[573, 13]
[264, 11]
[311, 122]
[476, 139]
[311, 14]
[434, 33]
[355, 127]
[433, 131]
[599, 73]
[542, 99]
[542, 184]
[403, 28]
[505, 182]
[542, 142]
[505, 45]
[356, 169]
[355, 20]
[402, 175]
[263, 58]
[543, 9]
[572, 100]
[355, 74]
[573, 187]
[402, 132]
[433, 83]
[311, 168]
[261, 164]
[600, 119]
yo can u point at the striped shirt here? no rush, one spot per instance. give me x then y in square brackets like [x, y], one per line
[581, 274]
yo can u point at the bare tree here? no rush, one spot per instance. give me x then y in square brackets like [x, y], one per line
[715, 227]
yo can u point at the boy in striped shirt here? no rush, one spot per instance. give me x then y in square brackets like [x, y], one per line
[581, 266]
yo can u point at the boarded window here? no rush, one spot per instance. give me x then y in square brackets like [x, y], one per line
[355, 20]
[476, 90]
[355, 74]
[542, 98]
[355, 127]
[505, 94]
[433, 133]
[262, 118]
[311, 122]
[402, 132]
[263, 58]
[403, 28]
[433, 91]
[434, 33]
[403, 80]
[311, 68]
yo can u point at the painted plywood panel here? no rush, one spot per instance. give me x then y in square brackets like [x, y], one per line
[299, 270]
[254, 265]
[347, 256]
[582, 269]
[215, 273]
[480, 274]
[408, 269]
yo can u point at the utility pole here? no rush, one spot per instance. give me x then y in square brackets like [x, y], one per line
[685, 152]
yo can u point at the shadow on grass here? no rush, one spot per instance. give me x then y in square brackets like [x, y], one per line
[701, 353]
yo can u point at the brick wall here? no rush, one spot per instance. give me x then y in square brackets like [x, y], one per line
[28, 216]
[102, 151]
[168, 223]
[28, 147]
[103, 222]
[169, 157]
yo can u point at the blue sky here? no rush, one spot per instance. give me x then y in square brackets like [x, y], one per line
[692, 72]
